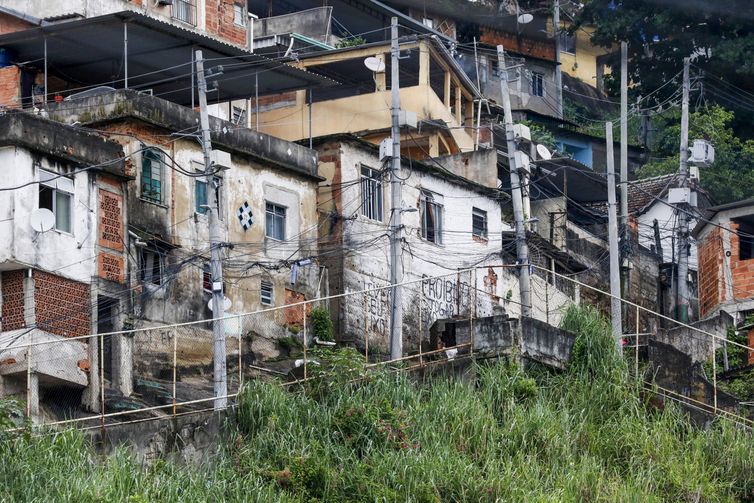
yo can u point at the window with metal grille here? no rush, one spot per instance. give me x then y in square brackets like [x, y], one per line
[537, 84]
[275, 221]
[56, 195]
[371, 193]
[479, 223]
[185, 11]
[239, 116]
[265, 293]
[431, 218]
[152, 162]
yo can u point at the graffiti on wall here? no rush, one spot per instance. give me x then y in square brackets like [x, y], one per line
[377, 311]
[446, 297]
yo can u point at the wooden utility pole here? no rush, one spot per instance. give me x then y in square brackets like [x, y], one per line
[215, 242]
[522, 249]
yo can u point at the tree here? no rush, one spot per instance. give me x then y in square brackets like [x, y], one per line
[718, 35]
[730, 177]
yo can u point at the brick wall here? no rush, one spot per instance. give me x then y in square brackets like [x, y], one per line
[11, 24]
[543, 49]
[10, 80]
[13, 300]
[63, 306]
[742, 271]
[294, 316]
[219, 21]
[710, 252]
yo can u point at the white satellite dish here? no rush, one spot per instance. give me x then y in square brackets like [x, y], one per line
[375, 64]
[42, 220]
[226, 304]
[543, 152]
[525, 18]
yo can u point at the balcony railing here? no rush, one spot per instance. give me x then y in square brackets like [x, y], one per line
[185, 11]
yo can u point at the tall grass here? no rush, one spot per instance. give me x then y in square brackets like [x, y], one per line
[511, 435]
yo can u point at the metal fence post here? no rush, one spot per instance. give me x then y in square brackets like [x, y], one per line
[714, 375]
[102, 381]
[472, 309]
[175, 368]
[239, 323]
[366, 329]
[421, 322]
[636, 344]
[303, 306]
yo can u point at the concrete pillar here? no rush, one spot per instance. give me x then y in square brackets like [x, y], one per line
[123, 355]
[30, 308]
[379, 77]
[458, 110]
[91, 396]
[423, 64]
[33, 397]
[446, 96]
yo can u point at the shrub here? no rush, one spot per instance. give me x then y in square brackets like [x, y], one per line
[322, 327]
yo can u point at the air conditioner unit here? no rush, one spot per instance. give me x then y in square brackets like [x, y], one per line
[522, 161]
[521, 132]
[702, 153]
[220, 159]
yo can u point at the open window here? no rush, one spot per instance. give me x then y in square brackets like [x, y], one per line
[56, 195]
[151, 266]
[745, 237]
[152, 175]
[431, 217]
[479, 223]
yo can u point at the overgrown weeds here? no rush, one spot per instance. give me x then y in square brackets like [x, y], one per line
[510, 435]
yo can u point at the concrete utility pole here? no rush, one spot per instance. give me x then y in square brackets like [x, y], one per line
[558, 71]
[682, 291]
[624, 238]
[215, 243]
[396, 271]
[612, 229]
[522, 249]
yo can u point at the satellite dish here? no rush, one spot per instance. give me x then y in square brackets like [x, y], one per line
[525, 18]
[226, 304]
[375, 64]
[543, 152]
[42, 220]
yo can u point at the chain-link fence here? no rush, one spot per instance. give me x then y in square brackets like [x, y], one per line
[164, 371]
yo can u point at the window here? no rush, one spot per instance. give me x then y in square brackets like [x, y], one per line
[745, 240]
[239, 15]
[567, 42]
[151, 266]
[371, 193]
[479, 223]
[428, 22]
[265, 293]
[185, 10]
[56, 195]
[537, 84]
[239, 116]
[275, 221]
[206, 278]
[152, 162]
[431, 215]
[201, 194]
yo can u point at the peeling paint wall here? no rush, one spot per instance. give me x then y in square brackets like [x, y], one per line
[363, 261]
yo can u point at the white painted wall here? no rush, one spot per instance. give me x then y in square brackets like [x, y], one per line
[667, 223]
[70, 255]
[366, 264]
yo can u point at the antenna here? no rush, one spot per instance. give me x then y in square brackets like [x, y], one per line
[543, 152]
[375, 64]
[42, 220]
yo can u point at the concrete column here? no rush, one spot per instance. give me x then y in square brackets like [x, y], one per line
[33, 397]
[379, 77]
[123, 349]
[459, 111]
[30, 307]
[423, 64]
[91, 396]
[446, 97]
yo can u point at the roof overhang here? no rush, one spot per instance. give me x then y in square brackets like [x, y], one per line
[159, 58]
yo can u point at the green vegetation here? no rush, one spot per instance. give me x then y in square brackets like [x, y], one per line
[513, 435]
[322, 324]
[351, 42]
